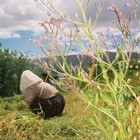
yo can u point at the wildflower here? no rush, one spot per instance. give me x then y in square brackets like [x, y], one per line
[58, 19]
[77, 30]
[129, 129]
[49, 13]
[129, 95]
[91, 43]
[139, 131]
[78, 54]
[98, 87]
[74, 50]
[112, 8]
[34, 54]
[122, 26]
[74, 68]
[138, 52]
[136, 67]
[135, 13]
[65, 44]
[113, 45]
[35, 41]
[116, 134]
[138, 61]
[131, 66]
[108, 30]
[137, 73]
[61, 38]
[136, 38]
[128, 4]
[54, 59]
[129, 80]
[30, 40]
[138, 97]
[121, 103]
[130, 107]
[135, 138]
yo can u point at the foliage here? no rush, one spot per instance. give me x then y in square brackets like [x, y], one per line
[0, 44]
[18, 122]
[114, 102]
[12, 64]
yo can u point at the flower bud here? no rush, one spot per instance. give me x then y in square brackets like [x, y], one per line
[131, 66]
[136, 67]
[131, 107]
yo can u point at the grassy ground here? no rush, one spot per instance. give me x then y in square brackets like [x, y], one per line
[17, 122]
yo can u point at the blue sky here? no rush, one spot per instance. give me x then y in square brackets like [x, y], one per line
[19, 21]
[22, 44]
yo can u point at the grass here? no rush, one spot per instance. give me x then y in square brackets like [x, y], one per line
[17, 122]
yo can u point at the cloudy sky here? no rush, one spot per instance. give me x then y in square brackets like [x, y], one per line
[19, 20]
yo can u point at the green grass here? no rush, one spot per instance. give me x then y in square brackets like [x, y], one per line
[17, 122]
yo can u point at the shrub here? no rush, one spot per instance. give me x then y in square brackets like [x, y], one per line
[12, 64]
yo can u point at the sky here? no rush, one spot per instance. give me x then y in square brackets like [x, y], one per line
[19, 20]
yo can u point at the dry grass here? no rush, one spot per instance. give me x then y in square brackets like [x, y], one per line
[17, 122]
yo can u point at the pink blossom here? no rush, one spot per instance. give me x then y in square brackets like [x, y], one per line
[112, 8]
[91, 43]
[128, 4]
[35, 41]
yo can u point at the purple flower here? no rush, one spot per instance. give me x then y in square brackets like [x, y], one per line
[128, 4]
[114, 45]
[112, 8]
[108, 32]
[34, 54]
[48, 13]
[58, 19]
[30, 40]
[78, 54]
[122, 26]
[61, 38]
[90, 43]
[74, 50]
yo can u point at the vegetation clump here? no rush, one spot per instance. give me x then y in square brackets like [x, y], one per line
[12, 65]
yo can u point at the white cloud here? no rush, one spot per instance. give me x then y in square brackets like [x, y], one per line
[18, 15]
[69, 8]
[8, 34]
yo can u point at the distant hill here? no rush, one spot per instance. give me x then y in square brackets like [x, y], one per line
[74, 59]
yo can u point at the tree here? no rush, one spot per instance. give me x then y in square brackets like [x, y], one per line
[0, 44]
[12, 64]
